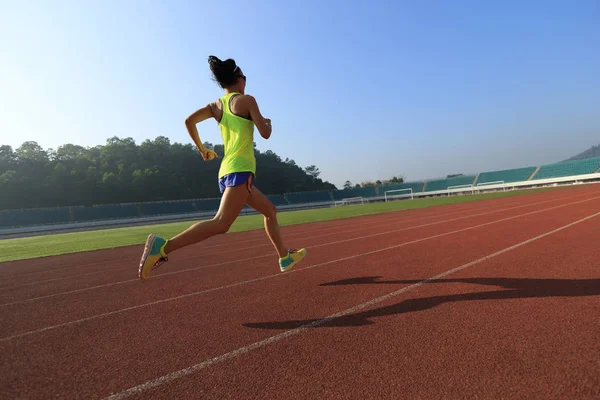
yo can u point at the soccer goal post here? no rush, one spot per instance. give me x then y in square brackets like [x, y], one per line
[353, 200]
[454, 188]
[401, 193]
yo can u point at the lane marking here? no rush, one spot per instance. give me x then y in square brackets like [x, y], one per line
[374, 219]
[342, 221]
[103, 271]
[235, 243]
[263, 243]
[119, 311]
[271, 255]
[374, 216]
[383, 224]
[246, 349]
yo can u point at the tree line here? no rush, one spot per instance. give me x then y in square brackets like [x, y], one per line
[393, 180]
[122, 171]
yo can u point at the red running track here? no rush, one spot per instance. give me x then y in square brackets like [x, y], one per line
[491, 299]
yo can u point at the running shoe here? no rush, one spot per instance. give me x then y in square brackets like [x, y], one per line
[293, 258]
[154, 255]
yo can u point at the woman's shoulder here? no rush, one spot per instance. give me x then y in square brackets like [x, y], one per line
[246, 99]
[216, 105]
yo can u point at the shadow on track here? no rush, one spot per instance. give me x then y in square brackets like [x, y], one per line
[513, 288]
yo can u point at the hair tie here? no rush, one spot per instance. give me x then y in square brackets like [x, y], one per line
[235, 69]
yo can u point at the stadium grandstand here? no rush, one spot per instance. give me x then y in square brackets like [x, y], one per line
[507, 176]
[444, 184]
[568, 168]
[107, 212]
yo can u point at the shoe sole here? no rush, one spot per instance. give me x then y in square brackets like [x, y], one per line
[147, 249]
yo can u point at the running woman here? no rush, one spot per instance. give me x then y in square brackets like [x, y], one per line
[236, 113]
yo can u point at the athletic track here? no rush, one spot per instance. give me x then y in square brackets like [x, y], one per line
[495, 299]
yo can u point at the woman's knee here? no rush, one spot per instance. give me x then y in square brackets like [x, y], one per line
[222, 225]
[270, 212]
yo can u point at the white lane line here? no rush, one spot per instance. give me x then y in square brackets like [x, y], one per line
[103, 271]
[263, 243]
[128, 281]
[337, 260]
[233, 242]
[388, 223]
[242, 350]
[45, 271]
[270, 254]
[377, 219]
[302, 232]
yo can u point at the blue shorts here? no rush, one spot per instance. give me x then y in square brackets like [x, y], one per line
[235, 179]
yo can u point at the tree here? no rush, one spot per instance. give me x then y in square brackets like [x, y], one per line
[7, 158]
[394, 180]
[348, 185]
[31, 152]
[69, 152]
[6, 153]
[122, 171]
[10, 187]
[313, 171]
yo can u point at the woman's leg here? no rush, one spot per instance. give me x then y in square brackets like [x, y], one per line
[263, 205]
[287, 259]
[157, 248]
[232, 202]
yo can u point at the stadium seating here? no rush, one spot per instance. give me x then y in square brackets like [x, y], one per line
[309, 197]
[277, 199]
[204, 205]
[567, 168]
[443, 184]
[32, 217]
[105, 212]
[168, 207]
[354, 192]
[40, 216]
[508, 175]
[416, 187]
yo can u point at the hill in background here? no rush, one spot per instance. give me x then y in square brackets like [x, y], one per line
[593, 151]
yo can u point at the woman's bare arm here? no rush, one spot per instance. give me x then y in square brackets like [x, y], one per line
[262, 124]
[198, 116]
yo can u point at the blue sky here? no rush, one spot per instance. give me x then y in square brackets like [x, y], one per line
[363, 89]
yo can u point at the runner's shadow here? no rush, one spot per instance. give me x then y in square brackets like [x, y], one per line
[513, 288]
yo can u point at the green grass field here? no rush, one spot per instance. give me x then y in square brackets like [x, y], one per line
[65, 243]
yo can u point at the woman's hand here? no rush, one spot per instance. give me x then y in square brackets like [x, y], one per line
[207, 154]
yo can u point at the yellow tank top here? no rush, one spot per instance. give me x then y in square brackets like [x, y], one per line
[238, 140]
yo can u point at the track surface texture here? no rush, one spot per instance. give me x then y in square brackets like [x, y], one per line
[496, 299]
